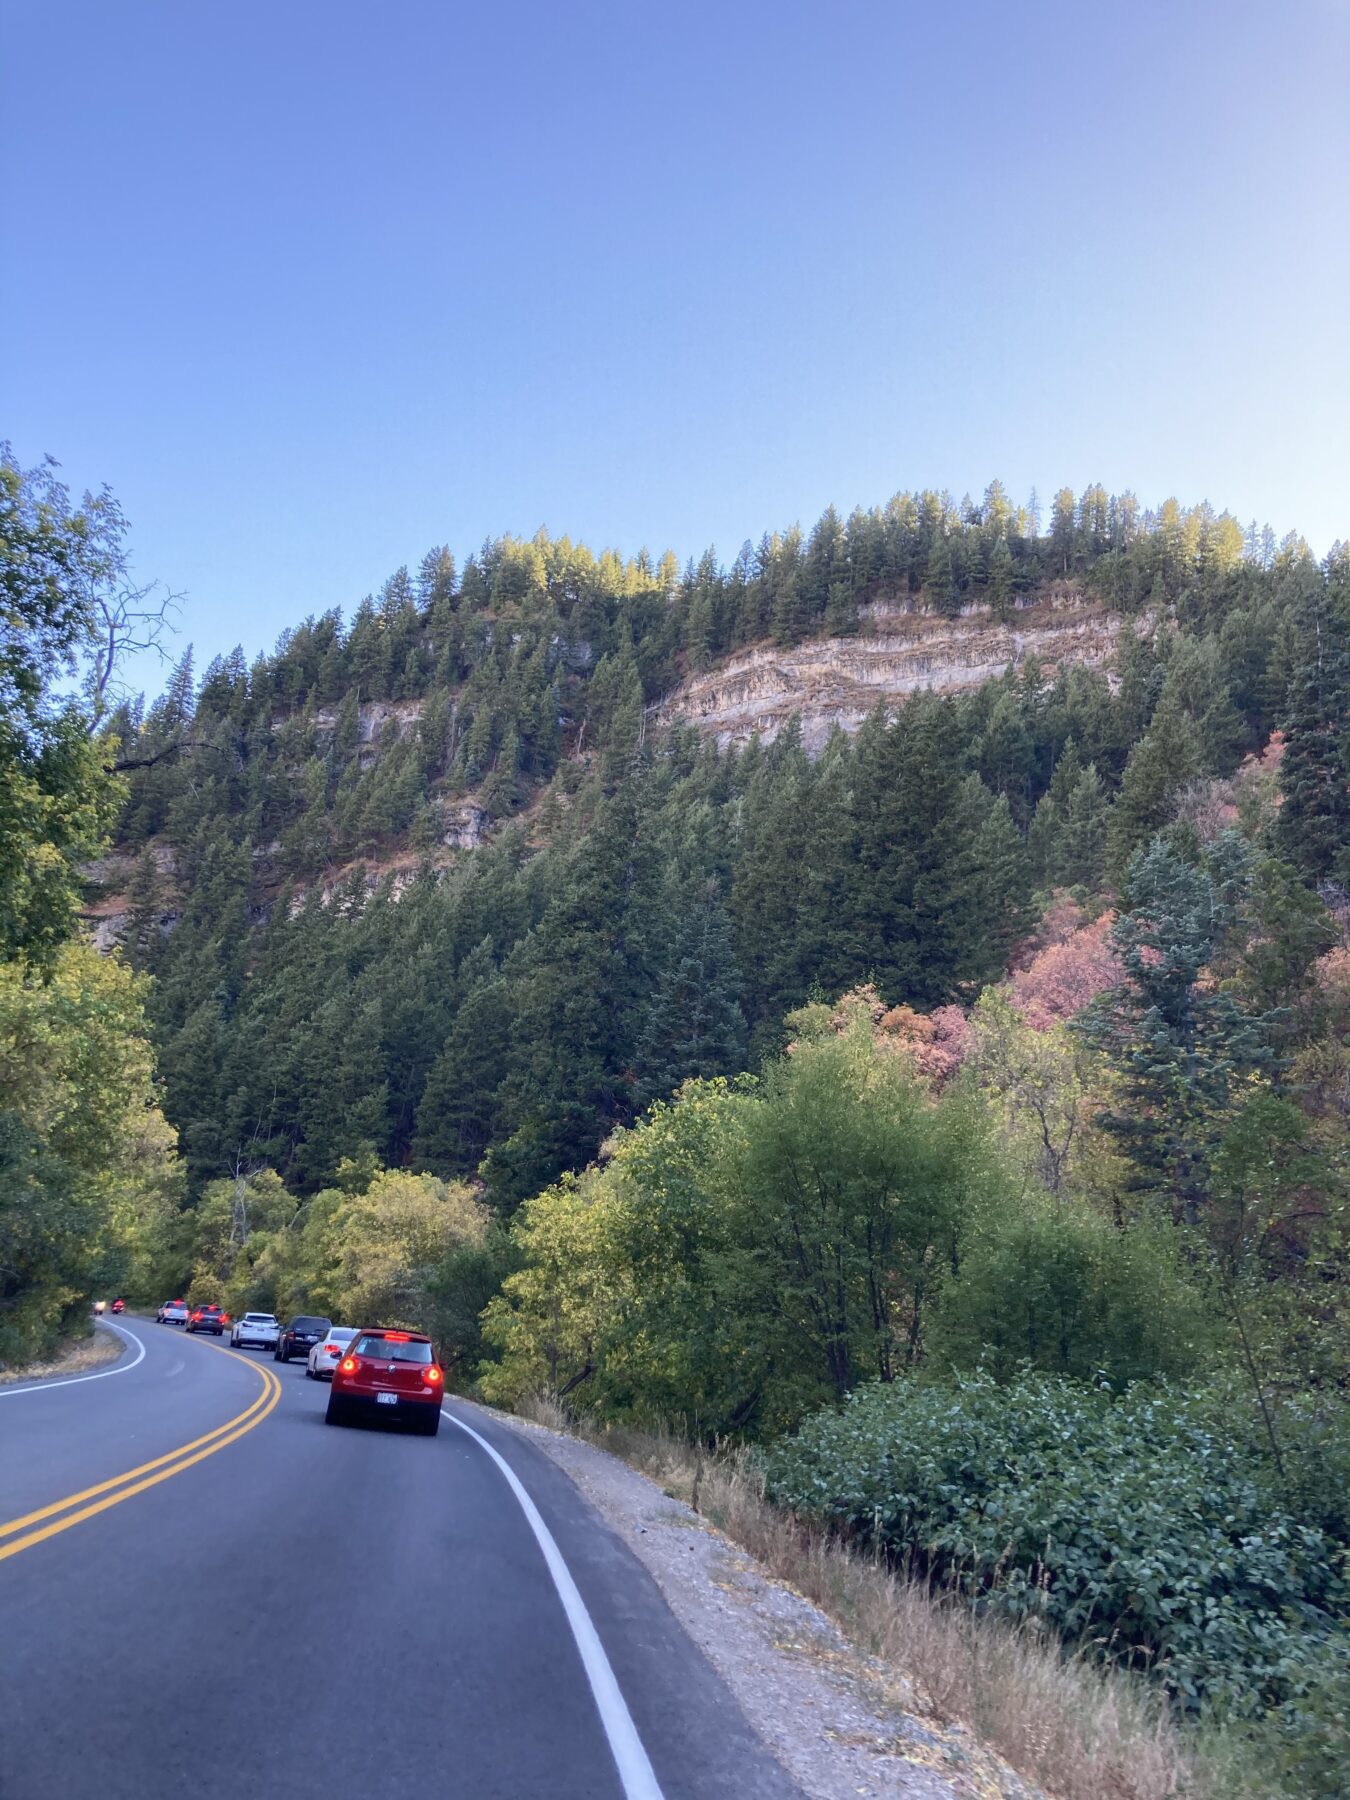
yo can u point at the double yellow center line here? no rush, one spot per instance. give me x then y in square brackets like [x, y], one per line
[47, 1521]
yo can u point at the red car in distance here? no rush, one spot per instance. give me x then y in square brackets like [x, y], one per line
[388, 1374]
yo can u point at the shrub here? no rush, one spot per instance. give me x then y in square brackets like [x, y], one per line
[1126, 1521]
[1058, 1287]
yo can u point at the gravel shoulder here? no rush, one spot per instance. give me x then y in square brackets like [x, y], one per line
[839, 1722]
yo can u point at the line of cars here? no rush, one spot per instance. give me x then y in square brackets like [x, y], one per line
[375, 1371]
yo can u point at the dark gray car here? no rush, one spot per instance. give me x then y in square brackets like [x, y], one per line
[300, 1336]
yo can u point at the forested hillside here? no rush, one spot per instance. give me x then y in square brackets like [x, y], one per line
[646, 909]
[960, 1114]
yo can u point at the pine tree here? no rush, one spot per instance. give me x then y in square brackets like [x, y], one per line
[1004, 881]
[916, 900]
[693, 1023]
[1314, 821]
[1001, 579]
[435, 579]
[177, 705]
[1164, 759]
[939, 586]
[1181, 1046]
[458, 1114]
[143, 935]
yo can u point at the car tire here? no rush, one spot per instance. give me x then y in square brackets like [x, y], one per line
[336, 1413]
[429, 1427]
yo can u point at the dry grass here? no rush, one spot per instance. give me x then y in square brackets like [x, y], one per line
[72, 1358]
[1078, 1731]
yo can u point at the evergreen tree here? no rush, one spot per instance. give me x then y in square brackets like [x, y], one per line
[938, 582]
[458, 1115]
[1314, 821]
[1004, 880]
[1165, 758]
[1001, 579]
[693, 1023]
[916, 897]
[142, 937]
[1181, 1047]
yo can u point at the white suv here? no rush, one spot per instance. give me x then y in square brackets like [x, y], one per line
[255, 1328]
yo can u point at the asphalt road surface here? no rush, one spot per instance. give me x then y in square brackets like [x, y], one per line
[201, 1583]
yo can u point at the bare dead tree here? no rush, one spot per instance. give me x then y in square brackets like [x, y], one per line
[127, 621]
[122, 616]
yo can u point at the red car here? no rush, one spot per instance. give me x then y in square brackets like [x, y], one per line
[388, 1374]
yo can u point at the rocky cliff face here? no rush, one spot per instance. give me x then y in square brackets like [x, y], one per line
[826, 682]
[838, 681]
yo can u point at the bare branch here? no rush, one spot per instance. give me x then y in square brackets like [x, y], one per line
[130, 620]
[125, 763]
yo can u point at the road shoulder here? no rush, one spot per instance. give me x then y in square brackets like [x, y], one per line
[80, 1356]
[827, 1713]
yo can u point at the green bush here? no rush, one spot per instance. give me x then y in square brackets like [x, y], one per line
[1055, 1286]
[1125, 1521]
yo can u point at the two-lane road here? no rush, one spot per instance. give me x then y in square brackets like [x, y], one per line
[199, 1578]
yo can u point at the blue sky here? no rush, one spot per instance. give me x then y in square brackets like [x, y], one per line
[315, 286]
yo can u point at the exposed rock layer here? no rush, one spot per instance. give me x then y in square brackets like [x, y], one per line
[838, 681]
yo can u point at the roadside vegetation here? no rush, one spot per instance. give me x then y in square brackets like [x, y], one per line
[86, 1157]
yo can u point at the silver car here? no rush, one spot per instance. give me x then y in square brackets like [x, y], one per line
[324, 1355]
[255, 1328]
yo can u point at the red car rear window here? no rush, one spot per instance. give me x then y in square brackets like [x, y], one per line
[393, 1350]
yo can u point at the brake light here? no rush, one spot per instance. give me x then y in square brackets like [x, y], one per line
[332, 1350]
[396, 1337]
[348, 1365]
[432, 1374]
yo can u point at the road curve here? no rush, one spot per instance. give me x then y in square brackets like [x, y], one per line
[210, 1583]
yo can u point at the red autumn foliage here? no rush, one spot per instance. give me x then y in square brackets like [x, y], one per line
[1066, 976]
[938, 1041]
[1056, 925]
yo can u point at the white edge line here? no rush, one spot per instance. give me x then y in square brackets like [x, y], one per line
[636, 1774]
[36, 1387]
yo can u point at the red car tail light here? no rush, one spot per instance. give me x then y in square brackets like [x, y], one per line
[396, 1337]
[432, 1374]
[348, 1365]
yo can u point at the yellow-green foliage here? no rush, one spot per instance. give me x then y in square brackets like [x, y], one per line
[393, 1238]
[87, 1163]
[750, 1249]
[554, 1313]
[367, 1252]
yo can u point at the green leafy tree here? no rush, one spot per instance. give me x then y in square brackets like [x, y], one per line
[1058, 1287]
[57, 800]
[86, 1159]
